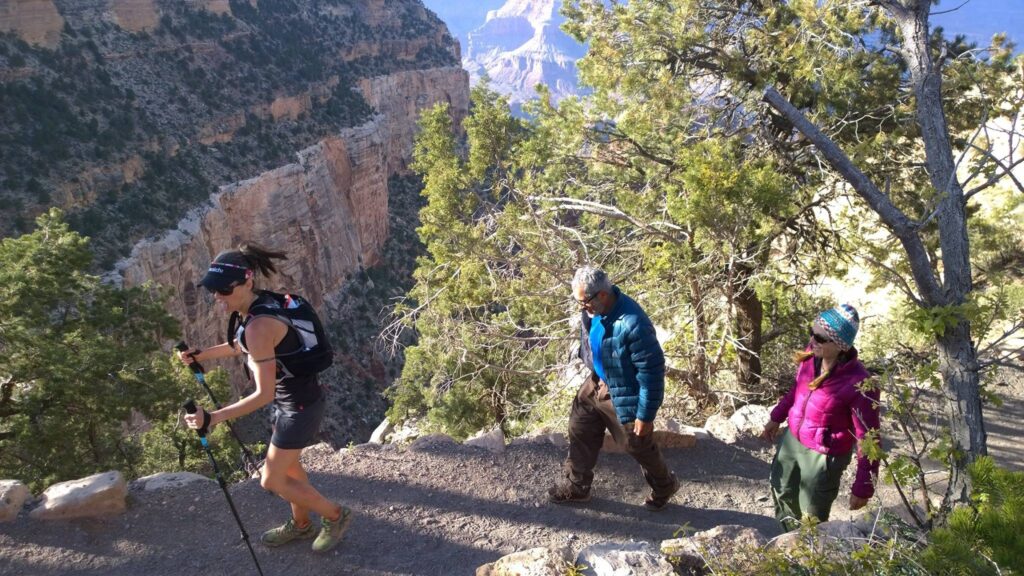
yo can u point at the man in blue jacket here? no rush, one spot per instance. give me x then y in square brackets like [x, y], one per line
[622, 394]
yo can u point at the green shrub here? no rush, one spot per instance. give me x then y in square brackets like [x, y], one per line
[988, 537]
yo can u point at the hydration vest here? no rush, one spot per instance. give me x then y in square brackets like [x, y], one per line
[313, 353]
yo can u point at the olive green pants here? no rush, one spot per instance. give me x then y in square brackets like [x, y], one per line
[804, 482]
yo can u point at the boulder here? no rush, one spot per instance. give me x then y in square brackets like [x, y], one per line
[722, 428]
[532, 562]
[623, 559]
[678, 427]
[170, 480]
[96, 495]
[729, 541]
[407, 432]
[13, 495]
[750, 419]
[381, 432]
[493, 440]
[835, 536]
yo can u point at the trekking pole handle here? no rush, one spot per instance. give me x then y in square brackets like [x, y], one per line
[196, 367]
[191, 408]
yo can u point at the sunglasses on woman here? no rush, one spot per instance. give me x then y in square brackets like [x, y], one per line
[819, 338]
[224, 291]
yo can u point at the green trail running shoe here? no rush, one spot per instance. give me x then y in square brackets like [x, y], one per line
[331, 533]
[287, 533]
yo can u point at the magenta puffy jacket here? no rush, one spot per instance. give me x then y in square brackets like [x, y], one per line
[826, 419]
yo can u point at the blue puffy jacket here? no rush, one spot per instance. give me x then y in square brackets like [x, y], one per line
[633, 362]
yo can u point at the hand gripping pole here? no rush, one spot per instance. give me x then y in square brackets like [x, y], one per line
[190, 407]
[252, 466]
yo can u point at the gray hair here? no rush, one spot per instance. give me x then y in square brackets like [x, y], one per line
[593, 280]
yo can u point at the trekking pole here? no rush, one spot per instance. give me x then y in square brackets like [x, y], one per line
[251, 466]
[190, 407]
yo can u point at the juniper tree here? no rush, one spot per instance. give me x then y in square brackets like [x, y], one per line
[77, 356]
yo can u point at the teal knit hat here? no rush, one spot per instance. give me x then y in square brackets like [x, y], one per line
[840, 323]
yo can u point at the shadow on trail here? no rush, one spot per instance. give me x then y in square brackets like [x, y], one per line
[1002, 425]
[443, 511]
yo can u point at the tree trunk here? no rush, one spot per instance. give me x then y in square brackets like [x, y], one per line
[749, 316]
[958, 365]
[957, 354]
[699, 355]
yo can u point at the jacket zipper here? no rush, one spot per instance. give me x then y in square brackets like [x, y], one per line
[803, 413]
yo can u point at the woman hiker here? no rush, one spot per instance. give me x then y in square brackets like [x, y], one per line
[266, 340]
[828, 414]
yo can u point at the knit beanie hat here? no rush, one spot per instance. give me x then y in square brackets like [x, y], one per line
[840, 323]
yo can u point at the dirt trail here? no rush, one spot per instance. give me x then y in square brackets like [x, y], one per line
[441, 510]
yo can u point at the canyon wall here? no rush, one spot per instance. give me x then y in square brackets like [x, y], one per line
[328, 210]
[34, 21]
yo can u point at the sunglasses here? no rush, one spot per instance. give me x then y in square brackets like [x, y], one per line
[587, 301]
[224, 291]
[819, 338]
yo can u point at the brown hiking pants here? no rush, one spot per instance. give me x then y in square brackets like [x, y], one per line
[592, 413]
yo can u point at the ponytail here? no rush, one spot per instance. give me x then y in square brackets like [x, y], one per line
[259, 258]
[801, 356]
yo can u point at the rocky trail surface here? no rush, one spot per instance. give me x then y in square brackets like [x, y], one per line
[431, 508]
[436, 509]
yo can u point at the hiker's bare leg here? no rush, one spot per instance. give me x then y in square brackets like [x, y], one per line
[300, 514]
[297, 491]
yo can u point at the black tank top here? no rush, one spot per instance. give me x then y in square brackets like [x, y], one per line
[290, 391]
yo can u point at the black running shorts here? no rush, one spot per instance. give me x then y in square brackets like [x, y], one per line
[297, 426]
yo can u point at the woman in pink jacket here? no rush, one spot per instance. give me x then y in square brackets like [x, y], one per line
[829, 410]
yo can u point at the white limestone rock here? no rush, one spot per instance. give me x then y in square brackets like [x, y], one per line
[726, 541]
[623, 559]
[493, 440]
[721, 428]
[678, 427]
[381, 432]
[533, 562]
[97, 495]
[13, 495]
[751, 419]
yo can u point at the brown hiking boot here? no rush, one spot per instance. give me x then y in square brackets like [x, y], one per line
[568, 493]
[656, 502]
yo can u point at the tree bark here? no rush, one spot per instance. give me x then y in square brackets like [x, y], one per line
[958, 365]
[698, 356]
[749, 317]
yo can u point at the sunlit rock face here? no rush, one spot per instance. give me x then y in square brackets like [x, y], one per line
[516, 44]
[328, 211]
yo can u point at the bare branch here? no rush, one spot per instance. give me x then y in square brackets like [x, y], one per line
[904, 228]
[667, 230]
[1007, 170]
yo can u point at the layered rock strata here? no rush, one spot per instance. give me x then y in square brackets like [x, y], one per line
[328, 210]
